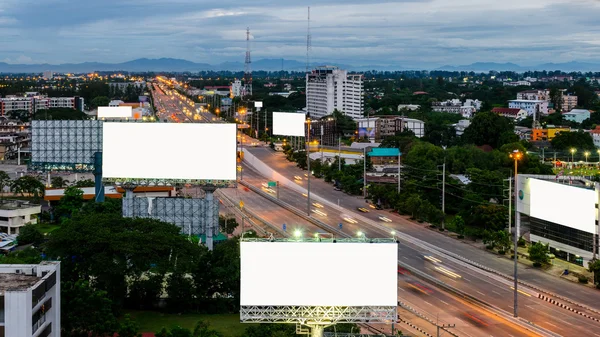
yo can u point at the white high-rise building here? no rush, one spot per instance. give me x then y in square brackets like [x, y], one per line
[236, 88]
[329, 88]
[30, 300]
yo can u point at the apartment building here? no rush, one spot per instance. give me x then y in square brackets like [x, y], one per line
[512, 113]
[324, 131]
[30, 300]
[329, 88]
[577, 115]
[35, 103]
[15, 214]
[569, 102]
[534, 95]
[382, 127]
[454, 106]
[531, 106]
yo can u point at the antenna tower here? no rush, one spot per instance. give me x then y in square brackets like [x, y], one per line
[308, 43]
[247, 65]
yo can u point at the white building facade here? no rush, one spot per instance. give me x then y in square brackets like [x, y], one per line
[236, 88]
[329, 88]
[531, 106]
[30, 299]
[15, 214]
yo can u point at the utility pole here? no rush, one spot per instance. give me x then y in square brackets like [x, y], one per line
[339, 153]
[399, 171]
[444, 193]
[510, 205]
[365, 172]
[308, 166]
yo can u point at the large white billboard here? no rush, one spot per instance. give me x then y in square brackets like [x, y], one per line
[319, 274]
[115, 112]
[566, 205]
[288, 124]
[196, 151]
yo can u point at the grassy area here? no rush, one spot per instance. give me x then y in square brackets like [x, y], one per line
[578, 171]
[46, 228]
[152, 321]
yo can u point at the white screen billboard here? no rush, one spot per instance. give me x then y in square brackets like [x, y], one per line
[566, 205]
[288, 124]
[169, 151]
[115, 112]
[319, 274]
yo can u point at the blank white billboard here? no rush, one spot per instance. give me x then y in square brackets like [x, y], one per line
[319, 274]
[566, 205]
[115, 112]
[194, 151]
[288, 124]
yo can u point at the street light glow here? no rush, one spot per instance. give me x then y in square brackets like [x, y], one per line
[359, 234]
[297, 233]
[393, 233]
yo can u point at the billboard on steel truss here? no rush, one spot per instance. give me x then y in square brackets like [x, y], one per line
[194, 216]
[65, 145]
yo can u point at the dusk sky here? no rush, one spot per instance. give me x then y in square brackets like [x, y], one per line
[368, 32]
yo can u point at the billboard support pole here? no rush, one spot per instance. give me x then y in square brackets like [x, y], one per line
[210, 225]
[308, 166]
[98, 186]
[595, 233]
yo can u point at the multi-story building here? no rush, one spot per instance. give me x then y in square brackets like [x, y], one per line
[531, 106]
[577, 115]
[36, 103]
[474, 103]
[511, 113]
[381, 127]
[15, 214]
[517, 84]
[548, 133]
[535, 95]
[236, 88]
[48, 75]
[324, 131]
[596, 136]
[454, 106]
[329, 88]
[569, 102]
[30, 300]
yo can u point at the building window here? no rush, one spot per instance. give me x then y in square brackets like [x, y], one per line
[559, 233]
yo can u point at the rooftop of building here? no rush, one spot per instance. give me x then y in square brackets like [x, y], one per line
[527, 100]
[577, 112]
[14, 282]
[9, 205]
[384, 152]
[509, 111]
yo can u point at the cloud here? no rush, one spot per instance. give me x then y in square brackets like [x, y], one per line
[345, 31]
[22, 59]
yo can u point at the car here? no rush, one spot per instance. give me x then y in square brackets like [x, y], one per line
[297, 177]
[420, 287]
[317, 205]
[383, 218]
[350, 220]
[362, 209]
[403, 271]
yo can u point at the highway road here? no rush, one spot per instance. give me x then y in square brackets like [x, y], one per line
[424, 297]
[493, 290]
[177, 108]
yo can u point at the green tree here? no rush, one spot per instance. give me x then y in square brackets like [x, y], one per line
[579, 140]
[60, 114]
[413, 204]
[459, 224]
[85, 183]
[178, 331]
[180, 289]
[4, 181]
[270, 330]
[86, 311]
[164, 332]
[538, 253]
[502, 241]
[30, 234]
[489, 128]
[556, 99]
[70, 203]
[129, 328]
[490, 217]
[594, 267]
[227, 226]
[145, 291]
[203, 329]
[99, 101]
[30, 185]
[58, 182]
[29, 255]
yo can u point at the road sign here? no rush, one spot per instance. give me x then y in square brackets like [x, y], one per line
[241, 204]
[341, 225]
[272, 184]
[284, 227]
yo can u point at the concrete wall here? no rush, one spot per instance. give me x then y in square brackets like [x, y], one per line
[17, 309]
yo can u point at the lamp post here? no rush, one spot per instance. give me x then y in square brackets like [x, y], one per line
[516, 155]
[573, 158]
[586, 154]
[308, 166]
[598, 157]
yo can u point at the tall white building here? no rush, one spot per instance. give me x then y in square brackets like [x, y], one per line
[236, 88]
[30, 300]
[529, 105]
[329, 88]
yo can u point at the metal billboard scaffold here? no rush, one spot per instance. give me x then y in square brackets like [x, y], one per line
[192, 215]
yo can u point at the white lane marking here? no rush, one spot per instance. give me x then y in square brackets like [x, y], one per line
[404, 257]
[480, 293]
[428, 303]
[466, 279]
[551, 324]
[495, 292]
[444, 302]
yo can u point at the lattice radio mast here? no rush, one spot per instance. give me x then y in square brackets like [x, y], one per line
[247, 65]
[308, 43]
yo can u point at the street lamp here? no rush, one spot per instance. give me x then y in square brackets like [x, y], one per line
[586, 154]
[308, 166]
[516, 156]
[573, 157]
[359, 234]
[297, 234]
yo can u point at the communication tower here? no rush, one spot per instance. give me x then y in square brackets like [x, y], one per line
[247, 66]
[308, 43]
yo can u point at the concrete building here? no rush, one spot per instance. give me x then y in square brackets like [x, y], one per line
[569, 102]
[48, 75]
[115, 103]
[577, 115]
[329, 88]
[324, 131]
[30, 300]
[531, 106]
[517, 84]
[461, 126]
[534, 95]
[15, 214]
[547, 134]
[596, 136]
[236, 88]
[474, 103]
[510, 113]
[455, 106]
[382, 127]
[409, 107]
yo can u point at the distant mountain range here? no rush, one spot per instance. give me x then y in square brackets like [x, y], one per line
[180, 65]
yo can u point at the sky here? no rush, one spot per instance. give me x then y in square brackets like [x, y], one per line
[367, 32]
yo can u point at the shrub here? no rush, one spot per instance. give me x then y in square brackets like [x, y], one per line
[583, 279]
[430, 226]
[537, 264]
[490, 247]
[521, 242]
[501, 252]
[441, 229]
[461, 236]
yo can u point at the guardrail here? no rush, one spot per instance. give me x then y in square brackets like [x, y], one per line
[244, 216]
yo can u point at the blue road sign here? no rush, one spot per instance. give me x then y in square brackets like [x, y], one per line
[284, 227]
[341, 225]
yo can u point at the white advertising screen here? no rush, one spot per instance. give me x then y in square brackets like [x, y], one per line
[319, 274]
[115, 112]
[258, 104]
[288, 124]
[566, 205]
[169, 151]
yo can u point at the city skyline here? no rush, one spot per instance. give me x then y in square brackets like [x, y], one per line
[423, 34]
